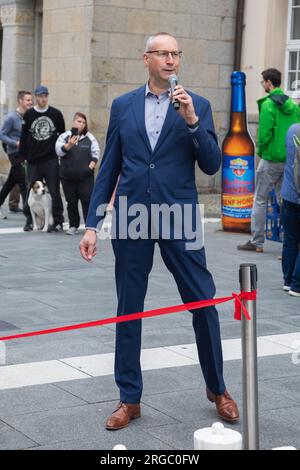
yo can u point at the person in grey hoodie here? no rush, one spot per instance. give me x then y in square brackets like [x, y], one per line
[10, 134]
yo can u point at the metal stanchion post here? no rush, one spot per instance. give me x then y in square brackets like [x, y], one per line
[248, 282]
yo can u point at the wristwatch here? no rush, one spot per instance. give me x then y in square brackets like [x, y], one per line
[194, 126]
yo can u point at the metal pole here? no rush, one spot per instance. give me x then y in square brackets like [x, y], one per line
[248, 282]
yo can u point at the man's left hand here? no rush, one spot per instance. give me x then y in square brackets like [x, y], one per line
[186, 110]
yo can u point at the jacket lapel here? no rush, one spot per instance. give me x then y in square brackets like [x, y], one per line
[139, 113]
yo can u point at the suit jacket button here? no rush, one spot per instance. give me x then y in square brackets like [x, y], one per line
[152, 166]
[148, 190]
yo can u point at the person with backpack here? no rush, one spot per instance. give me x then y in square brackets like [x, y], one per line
[277, 113]
[291, 213]
[10, 135]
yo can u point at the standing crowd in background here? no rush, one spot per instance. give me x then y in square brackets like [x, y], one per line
[40, 149]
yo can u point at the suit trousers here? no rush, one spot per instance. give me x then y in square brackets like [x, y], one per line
[134, 260]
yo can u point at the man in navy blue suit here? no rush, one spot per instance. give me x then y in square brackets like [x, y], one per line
[154, 149]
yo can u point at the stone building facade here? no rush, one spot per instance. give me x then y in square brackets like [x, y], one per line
[90, 51]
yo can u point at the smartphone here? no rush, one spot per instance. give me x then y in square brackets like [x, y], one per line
[74, 131]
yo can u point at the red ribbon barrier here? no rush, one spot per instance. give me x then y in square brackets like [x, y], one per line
[238, 302]
[239, 306]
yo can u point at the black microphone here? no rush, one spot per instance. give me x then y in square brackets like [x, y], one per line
[173, 82]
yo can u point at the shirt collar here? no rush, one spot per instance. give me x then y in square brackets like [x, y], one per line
[149, 92]
[39, 110]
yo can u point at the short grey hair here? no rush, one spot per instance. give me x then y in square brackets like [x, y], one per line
[151, 40]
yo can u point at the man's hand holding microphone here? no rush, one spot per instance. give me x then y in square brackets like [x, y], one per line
[182, 101]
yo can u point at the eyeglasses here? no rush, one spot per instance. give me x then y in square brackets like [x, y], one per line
[165, 54]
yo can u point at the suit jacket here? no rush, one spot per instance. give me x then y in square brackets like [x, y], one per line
[165, 175]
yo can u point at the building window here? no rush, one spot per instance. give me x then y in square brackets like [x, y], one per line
[292, 84]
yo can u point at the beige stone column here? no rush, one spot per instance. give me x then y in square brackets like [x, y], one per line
[18, 47]
[17, 57]
[66, 58]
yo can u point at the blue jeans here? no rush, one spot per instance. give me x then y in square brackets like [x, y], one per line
[291, 253]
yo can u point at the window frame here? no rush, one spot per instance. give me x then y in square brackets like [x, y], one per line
[292, 45]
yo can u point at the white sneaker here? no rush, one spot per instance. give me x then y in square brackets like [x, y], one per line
[2, 215]
[294, 293]
[72, 231]
[286, 288]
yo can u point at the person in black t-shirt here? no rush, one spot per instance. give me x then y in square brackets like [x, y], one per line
[41, 127]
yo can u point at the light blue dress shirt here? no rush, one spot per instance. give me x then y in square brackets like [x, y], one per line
[156, 108]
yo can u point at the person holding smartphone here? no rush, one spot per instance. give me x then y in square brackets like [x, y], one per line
[79, 153]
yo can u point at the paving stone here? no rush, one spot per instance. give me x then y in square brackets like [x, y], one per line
[81, 422]
[277, 367]
[27, 400]
[107, 440]
[5, 326]
[156, 382]
[278, 430]
[180, 436]
[10, 439]
[183, 407]
[59, 345]
[96, 390]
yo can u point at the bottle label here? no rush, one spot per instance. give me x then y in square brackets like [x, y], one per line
[238, 186]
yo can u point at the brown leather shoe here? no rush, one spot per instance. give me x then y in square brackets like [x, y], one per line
[122, 415]
[226, 407]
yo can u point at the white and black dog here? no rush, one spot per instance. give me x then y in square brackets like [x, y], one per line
[40, 204]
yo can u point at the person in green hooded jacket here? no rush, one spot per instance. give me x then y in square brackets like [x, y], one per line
[277, 113]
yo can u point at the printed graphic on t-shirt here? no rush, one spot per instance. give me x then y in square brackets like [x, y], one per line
[42, 128]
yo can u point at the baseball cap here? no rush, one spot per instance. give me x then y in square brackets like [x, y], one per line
[41, 90]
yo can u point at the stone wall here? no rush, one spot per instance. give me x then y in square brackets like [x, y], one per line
[66, 62]
[205, 30]
[92, 52]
